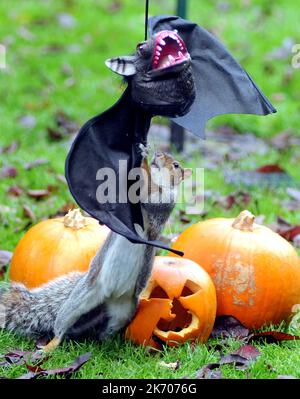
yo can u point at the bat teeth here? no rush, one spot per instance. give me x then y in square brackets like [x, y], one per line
[162, 42]
[159, 48]
[171, 58]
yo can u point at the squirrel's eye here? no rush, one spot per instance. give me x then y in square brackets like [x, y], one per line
[176, 165]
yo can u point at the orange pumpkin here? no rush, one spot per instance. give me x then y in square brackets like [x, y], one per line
[178, 304]
[55, 247]
[256, 272]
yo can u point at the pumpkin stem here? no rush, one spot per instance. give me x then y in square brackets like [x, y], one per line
[74, 219]
[244, 221]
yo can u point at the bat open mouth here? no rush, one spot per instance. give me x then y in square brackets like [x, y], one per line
[170, 53]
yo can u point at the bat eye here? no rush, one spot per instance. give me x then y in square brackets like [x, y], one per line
[143, 49]
[176, 165]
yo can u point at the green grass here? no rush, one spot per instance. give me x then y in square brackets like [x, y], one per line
[38, 82]
[116, 359]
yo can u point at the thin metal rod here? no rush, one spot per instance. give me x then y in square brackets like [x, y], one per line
[146, 19]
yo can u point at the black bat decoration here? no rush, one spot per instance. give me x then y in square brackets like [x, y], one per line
[182, 72]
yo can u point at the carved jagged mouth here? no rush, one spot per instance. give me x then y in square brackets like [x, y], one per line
[170, 53]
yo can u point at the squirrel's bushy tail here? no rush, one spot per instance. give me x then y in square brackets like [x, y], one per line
[33, 312]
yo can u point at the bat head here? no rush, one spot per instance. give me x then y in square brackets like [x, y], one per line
[160, 74]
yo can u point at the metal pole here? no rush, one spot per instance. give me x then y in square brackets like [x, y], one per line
[181, 8]
[177, 132]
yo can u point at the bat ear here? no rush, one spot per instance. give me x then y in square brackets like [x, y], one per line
[122, 65]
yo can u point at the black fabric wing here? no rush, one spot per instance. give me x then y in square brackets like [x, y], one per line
[101, 143]
[222, 85]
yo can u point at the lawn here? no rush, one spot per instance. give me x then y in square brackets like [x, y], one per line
[55, 64]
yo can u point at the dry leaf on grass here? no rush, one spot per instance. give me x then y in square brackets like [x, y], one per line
[5, 258]
[8, 171]
[210, 371]
[15, 191]
[171, 366]
[228, 326]
[241, 359]
[36, 371]
[20, 357]
[38, 194]
[28, 213]
[10, 148]
[271, 337]
[35, 163]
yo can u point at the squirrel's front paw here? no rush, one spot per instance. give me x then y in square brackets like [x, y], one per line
[51, 346]
[145, 149]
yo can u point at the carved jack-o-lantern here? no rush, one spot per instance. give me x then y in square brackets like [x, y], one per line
[178, 304]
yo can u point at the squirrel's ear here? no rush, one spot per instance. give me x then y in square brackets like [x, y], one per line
[187, 172]
[122, 65]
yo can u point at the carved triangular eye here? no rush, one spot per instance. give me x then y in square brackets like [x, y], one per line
[190, 288]
[158, 292]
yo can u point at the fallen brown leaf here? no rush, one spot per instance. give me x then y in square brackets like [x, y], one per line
[68, 125]
[20, 357]
[271, 337]
[38, 193]
[54, 134]
[5, 257]
[239, 198]
[272, 168]
[10, 148]
[37, 162]
[15, 191]
[228, 326]
[249, 352]
[241, 359]
[209, 372]
[8, 171]
[28, 213]
[65, 371]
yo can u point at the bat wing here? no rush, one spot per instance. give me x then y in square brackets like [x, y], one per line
[222, 85]
[100, 144]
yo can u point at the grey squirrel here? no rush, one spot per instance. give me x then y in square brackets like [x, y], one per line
[103, 300]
